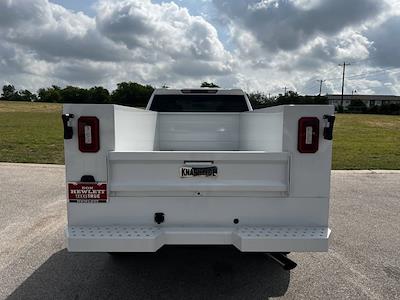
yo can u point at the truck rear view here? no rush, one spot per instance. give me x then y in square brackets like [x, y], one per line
[197, 167]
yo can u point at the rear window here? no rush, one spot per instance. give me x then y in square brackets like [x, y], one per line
[199, 103]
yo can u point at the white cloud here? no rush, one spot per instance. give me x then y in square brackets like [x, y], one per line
[54, 33]
[139, 39]
[294, 43]
[164, 32]
[271, 44]
[285, 25]
[386, 41]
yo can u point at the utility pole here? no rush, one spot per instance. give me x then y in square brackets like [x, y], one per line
[285, 88]
[344, 70]
[320, 86]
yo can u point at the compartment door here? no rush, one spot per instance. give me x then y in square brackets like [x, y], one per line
[208, 173]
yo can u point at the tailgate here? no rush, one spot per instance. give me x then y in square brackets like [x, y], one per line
[208, 173]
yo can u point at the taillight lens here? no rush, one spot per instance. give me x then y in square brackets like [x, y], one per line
[308, 135]
[88, 134]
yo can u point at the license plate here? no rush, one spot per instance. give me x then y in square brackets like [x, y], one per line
[198, 171]
[87, 192]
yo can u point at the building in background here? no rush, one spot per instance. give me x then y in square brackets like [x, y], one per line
[368, 100]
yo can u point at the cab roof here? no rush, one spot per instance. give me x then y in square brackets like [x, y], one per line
[209, 91]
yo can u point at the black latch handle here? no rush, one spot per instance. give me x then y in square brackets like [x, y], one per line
[67, 128]
[328, 129]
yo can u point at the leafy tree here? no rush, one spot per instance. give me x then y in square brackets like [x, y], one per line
[98, 94]
[26, 95]
[294, 98]
[389, 109]
[8, 91]
[132, 94]
[289, 98]
[209, 84]
[50, 94]
[260, 100]
[73, 94]
[357, 106]
[10, 94]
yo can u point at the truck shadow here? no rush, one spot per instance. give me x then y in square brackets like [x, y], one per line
[171, 273]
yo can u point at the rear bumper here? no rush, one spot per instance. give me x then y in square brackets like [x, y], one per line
[124, 238]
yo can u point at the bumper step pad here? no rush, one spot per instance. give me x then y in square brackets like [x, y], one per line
[124, 238]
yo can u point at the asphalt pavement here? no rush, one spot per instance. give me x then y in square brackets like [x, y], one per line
[363, 261]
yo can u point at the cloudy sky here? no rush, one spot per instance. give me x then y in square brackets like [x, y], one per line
[260, 45]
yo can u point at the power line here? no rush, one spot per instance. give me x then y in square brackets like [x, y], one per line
[332, 81]
[367, 74]
[374, 73]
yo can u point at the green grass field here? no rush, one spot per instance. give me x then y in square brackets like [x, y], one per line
[366, 142]
[32, 132]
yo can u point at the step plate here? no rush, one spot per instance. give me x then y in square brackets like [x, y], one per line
[123, 238]
[282, 239]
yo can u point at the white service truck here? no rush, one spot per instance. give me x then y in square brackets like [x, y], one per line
[198, 167]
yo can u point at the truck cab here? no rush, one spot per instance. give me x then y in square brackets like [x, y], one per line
[197, 167]
[199, 100]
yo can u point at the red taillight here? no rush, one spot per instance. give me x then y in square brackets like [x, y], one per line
[308, 135]
[88, 134]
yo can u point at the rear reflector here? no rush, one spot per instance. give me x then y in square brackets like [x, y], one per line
[308, 135]
[88, 134]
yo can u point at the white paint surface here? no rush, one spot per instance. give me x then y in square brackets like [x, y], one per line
[262, 179]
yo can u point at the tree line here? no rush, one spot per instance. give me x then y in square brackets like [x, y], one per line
[262, 100]
[126, 93]
[358, 106]
[136, 94]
